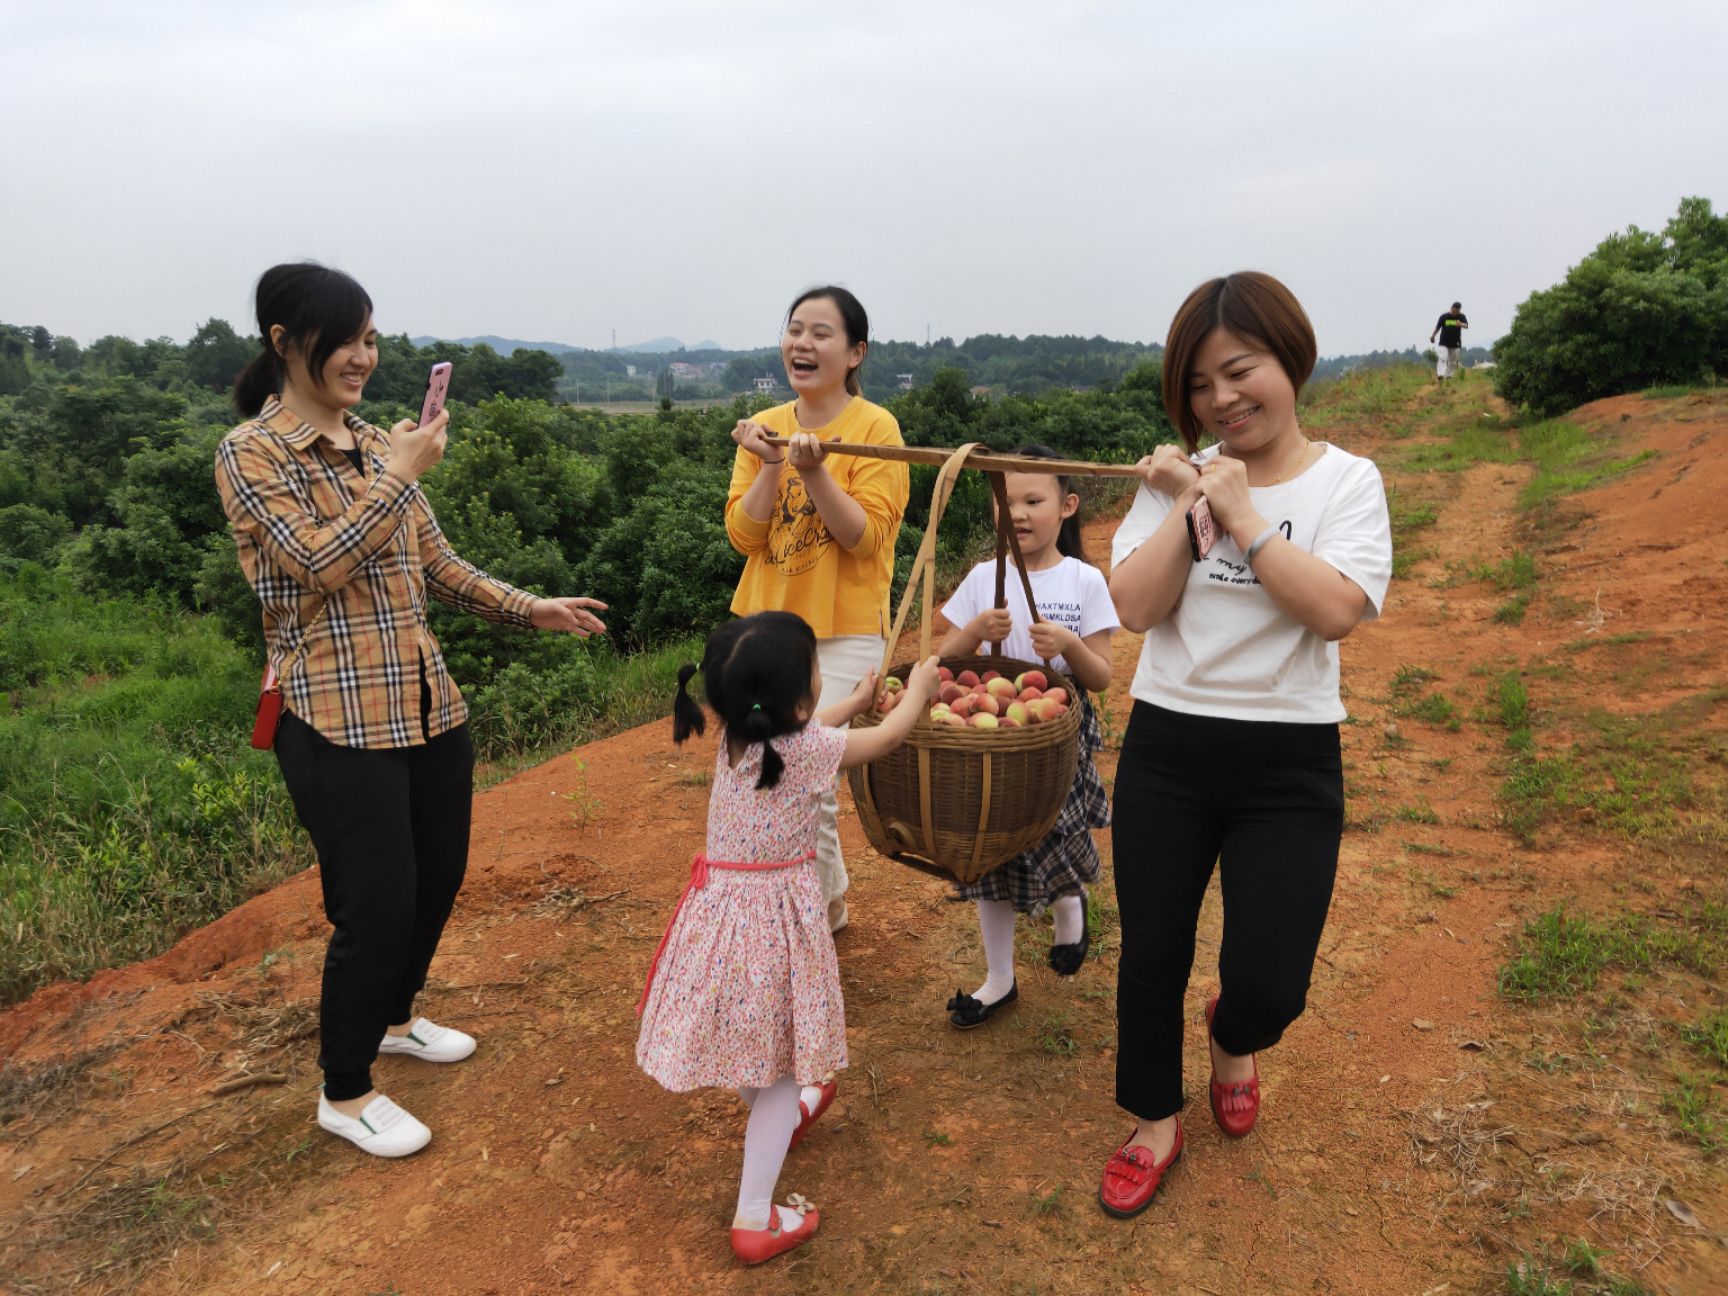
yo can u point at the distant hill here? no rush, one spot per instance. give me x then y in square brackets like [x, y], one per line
[506, 346]
[502, 345]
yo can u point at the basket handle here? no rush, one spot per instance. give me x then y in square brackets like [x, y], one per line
[1006, 539]
[925, 563]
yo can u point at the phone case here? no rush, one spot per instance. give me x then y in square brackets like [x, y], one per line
[437, 387]
[1202, 530]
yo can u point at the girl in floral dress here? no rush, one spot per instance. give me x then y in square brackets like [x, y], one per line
[744, 991]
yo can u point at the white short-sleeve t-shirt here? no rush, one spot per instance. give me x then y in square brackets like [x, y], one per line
[1228, 650]
[1072, 594]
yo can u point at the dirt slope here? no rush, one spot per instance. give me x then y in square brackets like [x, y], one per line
[952, 1162]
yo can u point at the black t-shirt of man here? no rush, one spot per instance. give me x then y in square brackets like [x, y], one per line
[1451, 326]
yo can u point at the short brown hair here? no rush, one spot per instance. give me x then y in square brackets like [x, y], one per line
[1253, 306]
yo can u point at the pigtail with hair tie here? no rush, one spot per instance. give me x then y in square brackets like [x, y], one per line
[687, 717]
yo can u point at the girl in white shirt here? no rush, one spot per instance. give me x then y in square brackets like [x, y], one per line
[1231, 754]
[1074, 636]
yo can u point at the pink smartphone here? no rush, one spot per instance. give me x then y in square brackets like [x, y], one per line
[1202, 529]
[437, 388]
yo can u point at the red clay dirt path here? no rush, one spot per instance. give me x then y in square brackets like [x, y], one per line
[951, 1162]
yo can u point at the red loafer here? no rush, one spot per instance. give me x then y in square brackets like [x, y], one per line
[1234, 1106]
[806, 1117]
[753, 1246]
[1131, 1178]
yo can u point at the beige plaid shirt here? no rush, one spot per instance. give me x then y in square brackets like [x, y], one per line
[311, 529]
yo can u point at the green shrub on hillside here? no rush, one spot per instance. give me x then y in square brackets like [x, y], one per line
[1643, 309]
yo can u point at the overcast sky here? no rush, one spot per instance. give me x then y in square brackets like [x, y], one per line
[561, 170]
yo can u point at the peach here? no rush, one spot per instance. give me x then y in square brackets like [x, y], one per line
[1008, 722]
[1017, 712]
[953, 721]
[1057, 695]
[1000, 688]
[1030, 694]
[949, 691]
[987, 676]
[944, 674]
[1032, 679]
[964, 705]
[984, 720]
[966, 679]
[987, 705]
[893, 684]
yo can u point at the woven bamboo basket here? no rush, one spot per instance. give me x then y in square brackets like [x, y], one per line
[959, 802]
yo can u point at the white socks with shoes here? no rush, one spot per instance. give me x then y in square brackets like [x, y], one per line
[773, 1117]
[1069, 917]
[996, 925]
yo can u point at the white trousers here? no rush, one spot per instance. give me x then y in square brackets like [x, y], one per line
[844, 659]
[1448, 366]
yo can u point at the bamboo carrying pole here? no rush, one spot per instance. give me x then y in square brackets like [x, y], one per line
[987, 462]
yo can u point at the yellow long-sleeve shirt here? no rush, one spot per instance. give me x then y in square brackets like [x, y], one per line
[792, 563]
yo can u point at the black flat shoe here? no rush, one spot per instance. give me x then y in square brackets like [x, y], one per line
[968, 1013]
[1065, 960]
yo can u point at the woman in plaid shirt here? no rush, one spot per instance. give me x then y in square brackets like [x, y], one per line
[341, 546]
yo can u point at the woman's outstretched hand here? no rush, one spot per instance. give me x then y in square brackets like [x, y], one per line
[570, 615]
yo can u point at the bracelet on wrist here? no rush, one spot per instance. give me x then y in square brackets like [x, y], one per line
[1260, 542]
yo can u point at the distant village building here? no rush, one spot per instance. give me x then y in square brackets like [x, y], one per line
[980, 391]
[629, 371]
[905, 381]
[766, 384]
[682, 372]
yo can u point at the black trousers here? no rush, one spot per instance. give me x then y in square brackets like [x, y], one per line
[1265, 801]
[391, 831]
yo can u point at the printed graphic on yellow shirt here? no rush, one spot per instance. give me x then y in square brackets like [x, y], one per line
[799, 537]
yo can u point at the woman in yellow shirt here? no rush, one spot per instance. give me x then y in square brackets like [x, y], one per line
[817, 531]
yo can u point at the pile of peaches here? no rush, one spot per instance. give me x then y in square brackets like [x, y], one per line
[988, 701]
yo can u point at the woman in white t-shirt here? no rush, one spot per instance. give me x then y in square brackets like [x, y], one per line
[1231, 754]
[1074, 637]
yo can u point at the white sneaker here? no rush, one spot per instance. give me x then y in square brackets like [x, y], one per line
[837, 915]
[382, 1128]
[429, 1042]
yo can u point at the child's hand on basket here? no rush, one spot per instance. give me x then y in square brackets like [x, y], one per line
[923, 681]
[865, 696]
[992, 625]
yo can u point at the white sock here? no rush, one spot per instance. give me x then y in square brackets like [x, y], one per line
[809, 1095]
[1069, 915]
[773, 1117]
[996, 924]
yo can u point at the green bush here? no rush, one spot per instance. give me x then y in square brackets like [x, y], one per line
[1642, 310]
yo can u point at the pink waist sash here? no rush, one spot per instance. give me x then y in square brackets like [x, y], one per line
[699, 866]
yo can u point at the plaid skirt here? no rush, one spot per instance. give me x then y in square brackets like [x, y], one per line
[1067, 859]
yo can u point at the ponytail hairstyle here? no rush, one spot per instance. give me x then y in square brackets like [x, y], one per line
[852, 319]
[318, 308]
[1068, 537]
[756, 672]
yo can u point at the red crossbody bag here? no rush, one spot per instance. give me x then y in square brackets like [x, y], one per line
[269, 716]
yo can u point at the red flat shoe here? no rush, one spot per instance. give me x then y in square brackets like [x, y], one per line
[1234, 1106]
[1132, 1177]
[753, 1246]
[806, 1117]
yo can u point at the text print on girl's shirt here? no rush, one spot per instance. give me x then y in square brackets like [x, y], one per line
[1240, 573]
[798, 537]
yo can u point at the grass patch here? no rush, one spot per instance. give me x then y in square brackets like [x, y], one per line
[1511, 612]
[1578, 1271]
[1561, 956]
[1418, 814]
[1710, 1037]
[1435, 709]
[1055, 1038]
[132, 808]
[1366, 396]
[1568, 459]
[1693, 1106]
